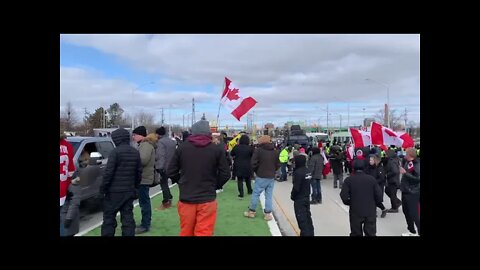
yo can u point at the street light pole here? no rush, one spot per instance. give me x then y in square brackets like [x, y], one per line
[388, 99]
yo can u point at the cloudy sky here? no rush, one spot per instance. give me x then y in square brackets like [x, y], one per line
[293, 77]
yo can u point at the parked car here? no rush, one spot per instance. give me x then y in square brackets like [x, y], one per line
[90, 158]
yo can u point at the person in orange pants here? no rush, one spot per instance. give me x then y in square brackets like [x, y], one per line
[197, 219]
[200, 168]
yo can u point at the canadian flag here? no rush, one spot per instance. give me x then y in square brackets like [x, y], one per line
[234, 102]
[384, 136]
[360, 138]
[407, 140]
[349, 153]
[326, 163]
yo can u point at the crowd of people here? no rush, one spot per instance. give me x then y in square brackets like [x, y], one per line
[201, 164]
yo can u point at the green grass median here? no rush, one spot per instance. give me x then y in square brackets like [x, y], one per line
[230, 219]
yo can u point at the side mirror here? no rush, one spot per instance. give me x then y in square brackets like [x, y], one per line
[95, 158]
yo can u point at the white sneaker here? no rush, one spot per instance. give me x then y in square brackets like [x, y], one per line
[409, 234]
[219, 190]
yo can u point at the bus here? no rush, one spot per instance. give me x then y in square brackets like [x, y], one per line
[342, 137]
[315, 137]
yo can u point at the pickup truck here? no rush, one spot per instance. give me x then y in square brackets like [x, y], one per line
[90, 159]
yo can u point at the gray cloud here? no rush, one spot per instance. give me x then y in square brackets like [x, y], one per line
[276, 70]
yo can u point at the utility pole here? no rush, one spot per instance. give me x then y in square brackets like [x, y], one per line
[105, 119]
[193, 111]
[85, 120]
[163, 119]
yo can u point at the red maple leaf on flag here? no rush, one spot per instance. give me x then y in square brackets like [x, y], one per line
[391, 134]
[233, 94]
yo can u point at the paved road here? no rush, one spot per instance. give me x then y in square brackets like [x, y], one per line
[331, 217]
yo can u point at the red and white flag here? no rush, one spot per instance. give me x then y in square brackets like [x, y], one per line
[407, 140]
[237, 104]
[350, 153]
[360, 138]
[384, 136]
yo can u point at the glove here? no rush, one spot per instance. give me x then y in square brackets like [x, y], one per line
[67, 223]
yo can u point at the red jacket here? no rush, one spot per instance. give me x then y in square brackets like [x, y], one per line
[67, 168]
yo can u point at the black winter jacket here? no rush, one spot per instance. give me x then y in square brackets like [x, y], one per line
[200, 168]
[393, 172]
[301, 180]
[411, 179]
[243, 159]
[362, 194]
[124, 167]
[378, 173]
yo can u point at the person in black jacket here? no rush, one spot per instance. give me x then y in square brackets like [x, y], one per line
[361, 192]
[120, 180]
[410, 187]
[336, 158]
[300, 196]
[315, 167]
[375, 169]
[185, 135]
[163, 154]
[200, 168]
[243, 156]
[392, 170]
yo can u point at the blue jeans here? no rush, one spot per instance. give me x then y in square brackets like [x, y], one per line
[262, 184]
[316, 190]
[62, 228]
[145, 205]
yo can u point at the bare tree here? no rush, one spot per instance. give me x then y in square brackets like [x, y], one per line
[396, 120]
[414, 129]
[68, 118]
[145, 119]
[412, 124]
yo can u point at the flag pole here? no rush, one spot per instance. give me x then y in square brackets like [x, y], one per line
[219, 105]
